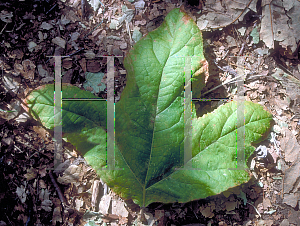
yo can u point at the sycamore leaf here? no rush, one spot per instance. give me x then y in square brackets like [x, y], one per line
[149, 123]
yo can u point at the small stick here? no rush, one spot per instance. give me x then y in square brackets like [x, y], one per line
[3, 28]
[60, 195]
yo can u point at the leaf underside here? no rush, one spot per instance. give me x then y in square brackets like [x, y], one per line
[149, 123]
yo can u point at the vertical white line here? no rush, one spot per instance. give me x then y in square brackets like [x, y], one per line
[240, 115]
[57, 113]
[110, 114]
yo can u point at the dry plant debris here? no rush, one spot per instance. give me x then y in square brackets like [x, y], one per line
[31, 31]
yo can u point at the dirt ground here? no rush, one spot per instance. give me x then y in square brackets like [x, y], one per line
[31, 194]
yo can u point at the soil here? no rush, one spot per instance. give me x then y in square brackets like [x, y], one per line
[32, 194]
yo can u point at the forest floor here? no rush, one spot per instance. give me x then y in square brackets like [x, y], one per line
[31, 194]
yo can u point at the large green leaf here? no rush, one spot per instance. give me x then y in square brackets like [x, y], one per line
[149, 123]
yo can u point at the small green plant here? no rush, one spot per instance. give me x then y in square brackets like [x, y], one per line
[149, 123]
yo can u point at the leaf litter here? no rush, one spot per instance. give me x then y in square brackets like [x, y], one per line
[273, 89]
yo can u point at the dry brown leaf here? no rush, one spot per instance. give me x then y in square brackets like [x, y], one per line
[290, 146]
[31, 174]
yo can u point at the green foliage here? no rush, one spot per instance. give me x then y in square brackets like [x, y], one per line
[149, 123]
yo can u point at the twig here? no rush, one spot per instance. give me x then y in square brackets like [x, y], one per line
[238, 15]
[230, 71]
[3, 28]
[255, 209]
[51, 8]
[99, 23]
[229, 81]
[60, 195]
[8, 219]
[73, 53]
